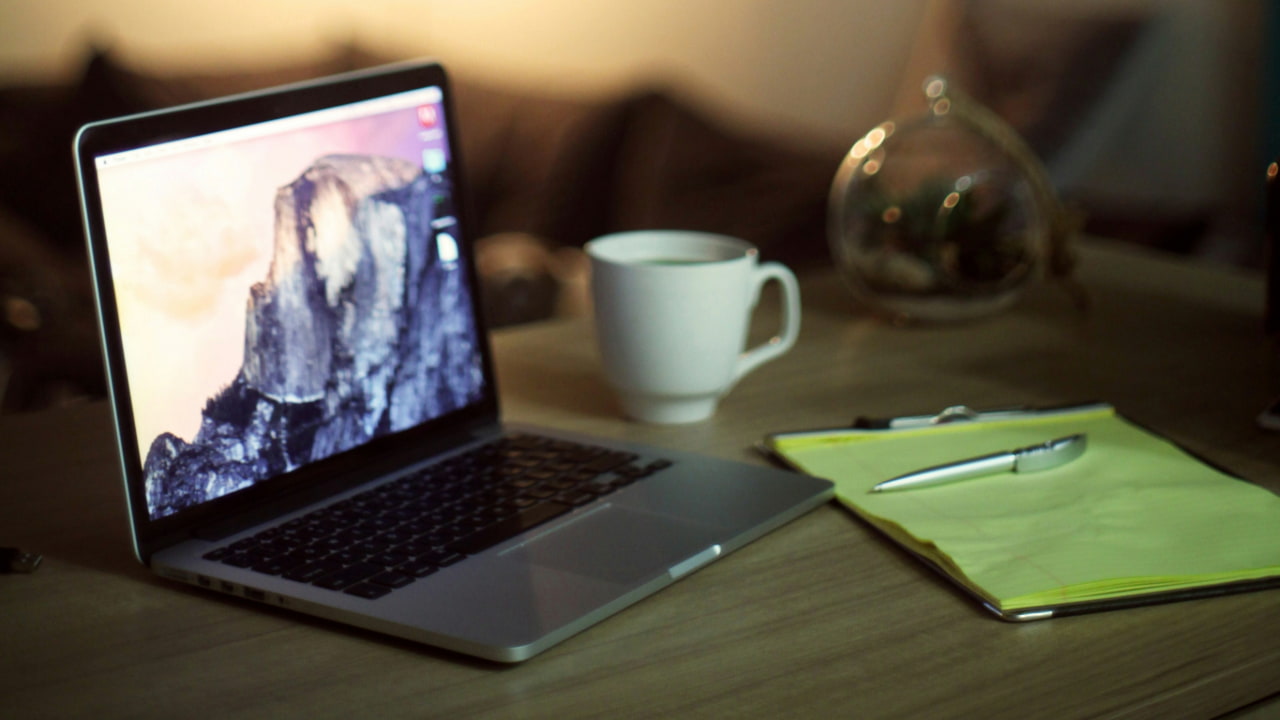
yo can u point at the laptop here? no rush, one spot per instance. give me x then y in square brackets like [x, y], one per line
[304, 396]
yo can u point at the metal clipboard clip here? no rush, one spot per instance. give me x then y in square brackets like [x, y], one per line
[964, 413]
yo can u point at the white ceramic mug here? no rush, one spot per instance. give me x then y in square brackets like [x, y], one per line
[672, 311]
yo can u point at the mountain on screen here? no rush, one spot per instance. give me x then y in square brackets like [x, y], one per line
[362, 327]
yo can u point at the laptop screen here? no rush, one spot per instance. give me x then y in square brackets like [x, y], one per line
[287, 291]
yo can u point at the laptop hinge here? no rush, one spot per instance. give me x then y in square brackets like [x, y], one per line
[266, 510]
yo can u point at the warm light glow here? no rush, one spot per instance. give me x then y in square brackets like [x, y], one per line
[942, 107]
[871, 167]
[871, 141]
[891, 214]
[952, 200]
[1272, 170]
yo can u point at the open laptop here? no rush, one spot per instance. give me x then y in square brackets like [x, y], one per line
[303, 393]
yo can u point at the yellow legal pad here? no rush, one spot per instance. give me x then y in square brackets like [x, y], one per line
[1135, 519]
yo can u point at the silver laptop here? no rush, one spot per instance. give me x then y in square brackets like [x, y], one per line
[303, 393]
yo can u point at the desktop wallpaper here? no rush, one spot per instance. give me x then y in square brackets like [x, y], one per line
[287, 296]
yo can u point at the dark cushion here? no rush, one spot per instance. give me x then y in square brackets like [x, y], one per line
[561, 169]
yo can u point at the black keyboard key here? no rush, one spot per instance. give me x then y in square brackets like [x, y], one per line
[563, 483]
[631, 471]
[346, 557]
[347, 576]
[392, 579]
[419, 568]
[242, 559]
[331, 544]
[445, 558]
[310, 552]
[369, 591]
[575, 497]
[439, 557]
[581, 475]
[391, 538]
[274, 546]
[600, 487]
[217, 554]
[276, 566]
[510, 527]
[419, 527]
[465, 525]
[387, 560]
[609, 461]
[313, 570]
[430, 542]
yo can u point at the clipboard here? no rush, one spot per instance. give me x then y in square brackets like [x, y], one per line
[1129, 459]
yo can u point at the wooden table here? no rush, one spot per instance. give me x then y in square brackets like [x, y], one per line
[822, 618]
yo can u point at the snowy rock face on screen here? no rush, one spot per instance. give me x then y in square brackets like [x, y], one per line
[360, 329]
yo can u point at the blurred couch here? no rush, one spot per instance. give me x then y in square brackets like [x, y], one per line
[1148, 113]
[545, 175]
[1145, 112]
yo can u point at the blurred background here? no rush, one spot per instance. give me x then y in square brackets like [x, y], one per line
[581, 117]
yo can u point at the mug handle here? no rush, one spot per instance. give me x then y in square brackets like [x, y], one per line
[782, 342]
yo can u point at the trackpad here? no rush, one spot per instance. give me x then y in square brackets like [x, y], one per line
[617, 544]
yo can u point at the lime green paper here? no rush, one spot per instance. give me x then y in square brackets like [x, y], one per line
[1135, 514]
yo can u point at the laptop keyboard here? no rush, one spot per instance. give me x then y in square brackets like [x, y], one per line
[388, 537]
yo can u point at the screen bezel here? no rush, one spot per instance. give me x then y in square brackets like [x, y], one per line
[346, 468]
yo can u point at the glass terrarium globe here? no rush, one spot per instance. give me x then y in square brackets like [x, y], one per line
[938, 218]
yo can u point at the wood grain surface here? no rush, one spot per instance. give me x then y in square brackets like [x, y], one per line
[821, 618]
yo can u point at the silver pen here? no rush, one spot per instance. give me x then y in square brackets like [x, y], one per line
[1032, 458]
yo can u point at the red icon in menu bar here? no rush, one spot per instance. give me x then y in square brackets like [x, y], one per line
[428, 116]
